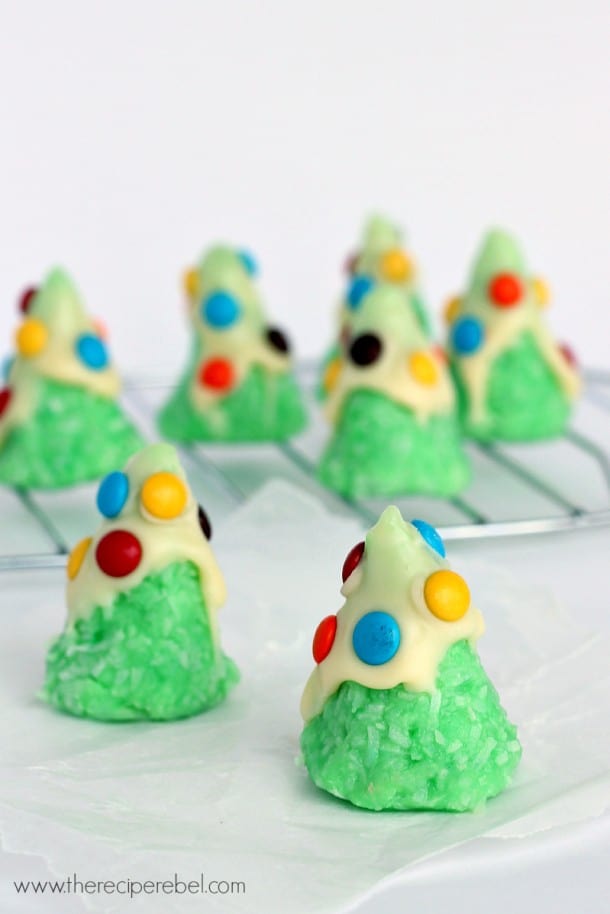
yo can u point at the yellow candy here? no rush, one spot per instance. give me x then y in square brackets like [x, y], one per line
[447, 595]
[31, 337]
[542, 292]
[164, 496]
[423, 368]
[77, 557]
[396, 266]
[190, 283]
[331, 375]
[452, 309]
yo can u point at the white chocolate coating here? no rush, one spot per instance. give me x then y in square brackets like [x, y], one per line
[244, 343]
[503, 327]
[383, 312]
[57, 305]
[390, 577]
[163, 542]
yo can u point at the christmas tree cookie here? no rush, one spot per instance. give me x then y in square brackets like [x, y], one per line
[239, 385]
[381, 258]
[391, 402]
[514, 382]
[60, 422]
[399, 713]
[142, 639]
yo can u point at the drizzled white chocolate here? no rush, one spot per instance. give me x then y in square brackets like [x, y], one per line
[504, 327]
[383, 312]
[163, 542]
[390, 577]
[57, 305]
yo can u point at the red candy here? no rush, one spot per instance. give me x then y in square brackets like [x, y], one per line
[217, 374]
[352, 561]
[568, 354]
[118, 553]
[324, 638]
[5, 398]
[350, 264]
[505, 290]
[26, 299]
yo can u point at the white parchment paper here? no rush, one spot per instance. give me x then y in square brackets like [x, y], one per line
[223, 793]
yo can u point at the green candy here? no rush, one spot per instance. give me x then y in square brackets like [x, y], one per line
[265, 407]
[150, 656]
[524, 400]
[73, 436]
[397, 749]
[379, 448]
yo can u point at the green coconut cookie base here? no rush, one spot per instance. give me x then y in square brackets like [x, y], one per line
[379, 448]
[74, 436]
[524, 399]
[265, 407]
[396, 749]
[150, 656]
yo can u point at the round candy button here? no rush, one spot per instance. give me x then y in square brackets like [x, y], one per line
[331, 374]
[452, 309]
[77, 557]
[423, 368]
[505, 290]
[25, 299]
[324, 638]
[217, 374]
[447, 595]
[31, 337]
[430, 535]
[190, 283]
[353, 559]
[220, 310]
[365, 349]
[92, 352]
[396, 266]
[204, 523]
[376, 638]
[118, 553]
[542, 293]
[278, 340]
[164, 495]
[350, 263]
[5, 399]
[248, 262]
[7, 365]
[568, 354]
[358, 288]
[467, 335]
[112, 494]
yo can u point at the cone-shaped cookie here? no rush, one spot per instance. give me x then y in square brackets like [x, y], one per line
[60, 422]
[381, 258]
[142, 639]
[239, 384]
[514, 382]
[392, 404]
[399, 713]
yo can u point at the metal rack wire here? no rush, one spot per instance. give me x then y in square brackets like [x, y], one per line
[517, 490]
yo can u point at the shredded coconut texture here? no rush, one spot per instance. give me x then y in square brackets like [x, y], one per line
[73, 436]
[379, 448]
[150, 656]
[265, 407]
[396, 749]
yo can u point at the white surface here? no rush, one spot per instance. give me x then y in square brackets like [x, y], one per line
[135, 133]
[106, 800]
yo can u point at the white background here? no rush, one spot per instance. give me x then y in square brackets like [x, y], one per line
[133, 134]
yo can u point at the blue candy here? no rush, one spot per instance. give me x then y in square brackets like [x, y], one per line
[92, 351]
[358, 288]
[431, 536]
[112, 494]
[467, 335]
[376, 638]
[249, 262]
[7, 364]
[220, 310]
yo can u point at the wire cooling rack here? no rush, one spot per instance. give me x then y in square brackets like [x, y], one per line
[516, 489]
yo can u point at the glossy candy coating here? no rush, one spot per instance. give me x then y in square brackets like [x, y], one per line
[324, 638]
[118, 553]
[376, 638]
[112, 494]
